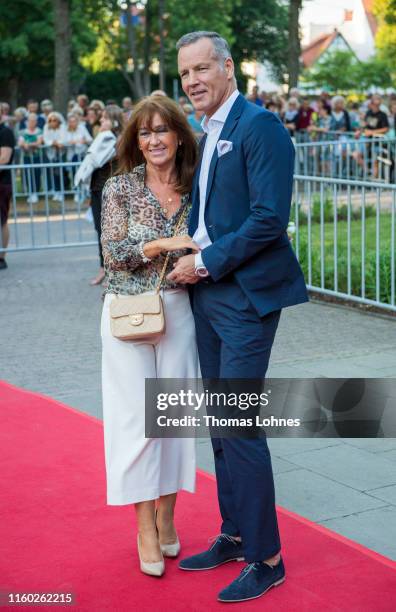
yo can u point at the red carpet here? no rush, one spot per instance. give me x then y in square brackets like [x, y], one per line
[57, 534]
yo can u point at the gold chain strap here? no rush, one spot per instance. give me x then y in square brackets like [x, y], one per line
[163, 271]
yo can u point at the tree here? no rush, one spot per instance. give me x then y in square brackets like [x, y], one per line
[62, 54]
[261, 33]
[385, 11]
[26, 42]
[337, 70]
[294, 46]
[341, 71]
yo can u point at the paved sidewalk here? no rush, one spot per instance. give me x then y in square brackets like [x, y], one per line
[50, 343]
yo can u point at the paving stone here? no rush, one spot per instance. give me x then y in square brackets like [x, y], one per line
[350, 466]
[318, 498]
[375, 529]
[387, 494]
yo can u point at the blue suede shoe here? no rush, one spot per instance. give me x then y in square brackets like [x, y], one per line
[223, 550]
[254, 580]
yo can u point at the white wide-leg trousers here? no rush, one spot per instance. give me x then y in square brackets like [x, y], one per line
[137, 468]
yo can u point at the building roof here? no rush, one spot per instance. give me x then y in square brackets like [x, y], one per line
[368, 7]
[312, 52]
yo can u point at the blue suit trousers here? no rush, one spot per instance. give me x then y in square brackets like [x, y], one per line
[235, 343]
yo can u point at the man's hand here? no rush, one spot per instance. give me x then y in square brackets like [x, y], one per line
[184, 271]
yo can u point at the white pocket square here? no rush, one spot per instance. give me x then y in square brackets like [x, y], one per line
[223, 147]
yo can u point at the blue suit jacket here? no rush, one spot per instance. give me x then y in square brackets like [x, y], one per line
[247, 209]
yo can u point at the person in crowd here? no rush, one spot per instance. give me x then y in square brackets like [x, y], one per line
[376, 121]
[304, 117]
[392, 119]
[83, 103]
[30, 140]
[20, 116]
[71, 104]
[183, 100]
[194, 118]
[375, 125]
[98, 105]
[145, 216]
[255, 97]
[8, 119]
[33, 107]
[325, 99]
[93, 121]
[7, 147]
[78, 112]
[46, 107]
[127, 107]
[158, 92]
[339, 120]
[54, 136]
[355, 116]
[290, 116]
[295, 93]
[76, 140]
[244, 274]
[98, 165]
[321, 118]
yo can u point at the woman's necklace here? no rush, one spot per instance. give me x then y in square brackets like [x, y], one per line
[165, 208]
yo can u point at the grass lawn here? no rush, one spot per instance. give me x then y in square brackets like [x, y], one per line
[355, 258]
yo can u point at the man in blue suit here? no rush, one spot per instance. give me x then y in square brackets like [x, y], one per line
[244, 274]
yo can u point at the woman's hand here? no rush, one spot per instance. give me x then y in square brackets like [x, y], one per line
[177, 243]
[165, 245]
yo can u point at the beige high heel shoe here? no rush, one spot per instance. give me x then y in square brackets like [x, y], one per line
[171, 550]
[156, 568]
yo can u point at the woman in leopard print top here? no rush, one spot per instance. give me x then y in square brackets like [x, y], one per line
[142, 205]
[132, 216]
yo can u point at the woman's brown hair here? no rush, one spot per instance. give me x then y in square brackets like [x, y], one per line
[129, 155]
[116, 116]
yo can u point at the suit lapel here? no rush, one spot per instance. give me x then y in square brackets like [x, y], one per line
[193, 223]
[226, 132]
[195, 185]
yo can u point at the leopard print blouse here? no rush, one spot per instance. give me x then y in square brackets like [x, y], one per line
[132, 216]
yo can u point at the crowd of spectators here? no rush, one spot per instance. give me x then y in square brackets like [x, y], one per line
[39, 134]
[309, 118]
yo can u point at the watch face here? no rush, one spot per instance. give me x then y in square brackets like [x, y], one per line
[202, 272]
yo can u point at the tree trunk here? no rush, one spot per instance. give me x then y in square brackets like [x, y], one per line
[161, 7]
[62, 54]
[294, 49]
[146, 51]
[13, 86]
[137, 81]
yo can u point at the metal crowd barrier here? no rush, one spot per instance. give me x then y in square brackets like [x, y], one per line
[46, 218]
[346, 158]
[39, 172]
[306, 136]
[345, 238]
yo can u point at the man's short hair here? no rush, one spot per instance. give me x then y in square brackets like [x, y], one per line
[220, 45]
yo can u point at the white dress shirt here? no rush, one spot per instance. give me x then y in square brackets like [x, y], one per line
[212, 127]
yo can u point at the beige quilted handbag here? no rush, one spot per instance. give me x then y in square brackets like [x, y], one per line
[136, 317]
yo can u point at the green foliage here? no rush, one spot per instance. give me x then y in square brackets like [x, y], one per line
[260, 32]
[342, 71]
[26, 38]
[27, 35]
[337, 70]
[370, 261]
[385, 11]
